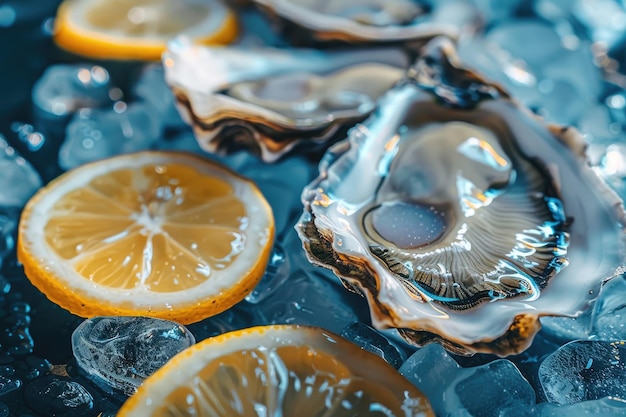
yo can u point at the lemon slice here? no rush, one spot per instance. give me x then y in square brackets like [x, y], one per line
[139, 29]
[276, 371]
[159, 234]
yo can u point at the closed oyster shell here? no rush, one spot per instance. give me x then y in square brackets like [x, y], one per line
[461, 216]
[270, 100]
[410, 22]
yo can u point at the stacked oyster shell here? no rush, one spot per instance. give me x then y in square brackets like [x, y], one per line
[460, 216]
[271, 101]
[410, 22]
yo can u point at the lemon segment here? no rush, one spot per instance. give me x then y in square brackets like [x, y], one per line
[139, 29]
[159, 234]
[274, 371]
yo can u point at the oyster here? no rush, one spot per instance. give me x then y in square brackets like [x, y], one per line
[461, 216]
[271, 100]
[370, 21]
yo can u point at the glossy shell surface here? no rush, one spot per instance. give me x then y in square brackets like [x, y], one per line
[370, 21]
[461, 216]
[269, 100]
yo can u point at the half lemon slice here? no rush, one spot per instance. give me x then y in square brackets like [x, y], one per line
[139, 29]
[276, 371]
[158, 234]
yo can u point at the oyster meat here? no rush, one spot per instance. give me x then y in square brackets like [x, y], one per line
[370, 21]
[461, 216]
[271, 100]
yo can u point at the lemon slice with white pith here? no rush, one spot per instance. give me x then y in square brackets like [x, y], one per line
[139, 29]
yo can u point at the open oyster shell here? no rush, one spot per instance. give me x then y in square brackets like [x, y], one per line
[271, 100]
[370, 21]
[460, 215]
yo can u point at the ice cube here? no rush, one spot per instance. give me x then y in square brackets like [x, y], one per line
[604, 19]
[497, 65]
[183, 140]
[98, 134]
[240, 316]
[19, 180]
[494, 389]
[561, 102]
[276, 272]
[152, 90]
[373, 341]
[309, 298]
[8, 228]
[598, 125]
[493, 10]
[577, 69]
[566, 329]
[584, 370]
[54, 395]
[612, 167]
[118, 353]
[605, 407]
[609, 312]
[540, 42]
[64, 89]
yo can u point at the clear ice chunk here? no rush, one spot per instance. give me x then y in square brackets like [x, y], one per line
[18, 178]
[488, 58]
[494, 389]
[309, 298]
[54, 395]
[541, 42]
[560, 102]
[276, 273]
[598, 125]
[612, 165]
[566, 329]
[238, 317]
[118, 353]
[152, 90]
[66, 88]
[609, 312]
[584, 370]
[604, 19]
[373, 341]
[8, 384]
[183, 141]
[98, 134]
[8, 229]
[493, 10]
[605, 407]
[576, 68]
[281, 183]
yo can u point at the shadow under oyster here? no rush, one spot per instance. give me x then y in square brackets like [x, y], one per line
[461, 216]
[271, 100]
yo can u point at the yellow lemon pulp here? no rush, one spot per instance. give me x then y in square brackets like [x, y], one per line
[154, 233]
[139, 29]
[274, 371]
